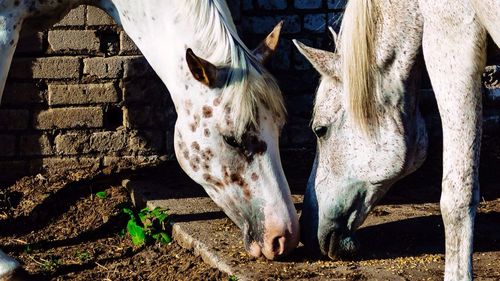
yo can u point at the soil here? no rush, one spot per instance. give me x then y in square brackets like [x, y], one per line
[59, 229]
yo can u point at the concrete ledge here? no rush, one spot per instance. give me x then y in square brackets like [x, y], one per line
[400, 241]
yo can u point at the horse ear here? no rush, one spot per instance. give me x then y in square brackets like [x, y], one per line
[202, 70]
[326, 63]
[267, 47]
[335, 36]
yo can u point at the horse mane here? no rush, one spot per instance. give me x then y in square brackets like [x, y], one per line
[248, 84]
[359, 74]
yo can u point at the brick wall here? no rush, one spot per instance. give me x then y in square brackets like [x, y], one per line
[80, 95]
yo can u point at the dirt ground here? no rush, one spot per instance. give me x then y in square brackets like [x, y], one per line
[59, 230]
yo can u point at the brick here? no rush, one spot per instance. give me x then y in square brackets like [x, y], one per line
[7, 145]
[127, 46]
[335, 20]
[21, 93]
[58, 164]
[47, 67]
[264, 24]
[75, 17]
[128, 162]
[234, 7]
[16, 168]
[35, 145]
[103, 67]
[63, 118]
[307, 4]
[72, 143]
[247, 5]
[136, 66]
[96, 16]
[82, 94]
[14, 119]
[146, 116]
[299, 62]
[272, 4]
[111, 141]
[152, 91]
[32, 44]
[315, 23]
[146, 142]
[491, 77]
[282, 56]
[336, 4]
[74, 41]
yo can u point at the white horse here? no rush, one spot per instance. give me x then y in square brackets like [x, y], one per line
[369, 130]
[230, 109]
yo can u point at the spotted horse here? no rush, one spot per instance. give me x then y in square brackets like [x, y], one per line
[369, 129]
[230, 109]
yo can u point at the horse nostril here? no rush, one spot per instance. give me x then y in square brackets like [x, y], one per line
[278, 245]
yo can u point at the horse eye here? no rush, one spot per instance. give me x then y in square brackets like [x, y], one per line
[320, 131]
[231, 141]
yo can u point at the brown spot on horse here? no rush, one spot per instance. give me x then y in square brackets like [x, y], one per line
[188, 105]
[211, 180]
[195, 146]
[255, 177]
[207, 111]
[217, 101]
[207, 154]
[195, 163]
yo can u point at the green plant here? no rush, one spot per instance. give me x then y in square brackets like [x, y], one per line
[233, 278]
[51, 263]
[101, 195]
[147, 225]
[28, 249]
[83, 256]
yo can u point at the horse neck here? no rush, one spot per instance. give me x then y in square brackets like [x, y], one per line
[399, 59]
[398, 54]
[163, 34]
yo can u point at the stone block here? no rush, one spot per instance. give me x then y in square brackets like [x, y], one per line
[7, 145]
[35, 145]
[111, 141]
[103, 68]
[146, 142]
[21, 93]
[14, 119]
[127, 46]
[315, 23]
[144, 117]
[32, 44]
[75, 17]
[96, 16]
[336, 4]
[136, 66]
[151, 91]
[66, 118]
[16, 169]
[46, 67]
[82, 94]
[272, 4]
[264, 24]
[74, 41]
[59, 165]
[307, 4]
[72, 143]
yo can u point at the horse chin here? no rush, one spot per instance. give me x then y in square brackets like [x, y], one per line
[341, 246]
[254, 250]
